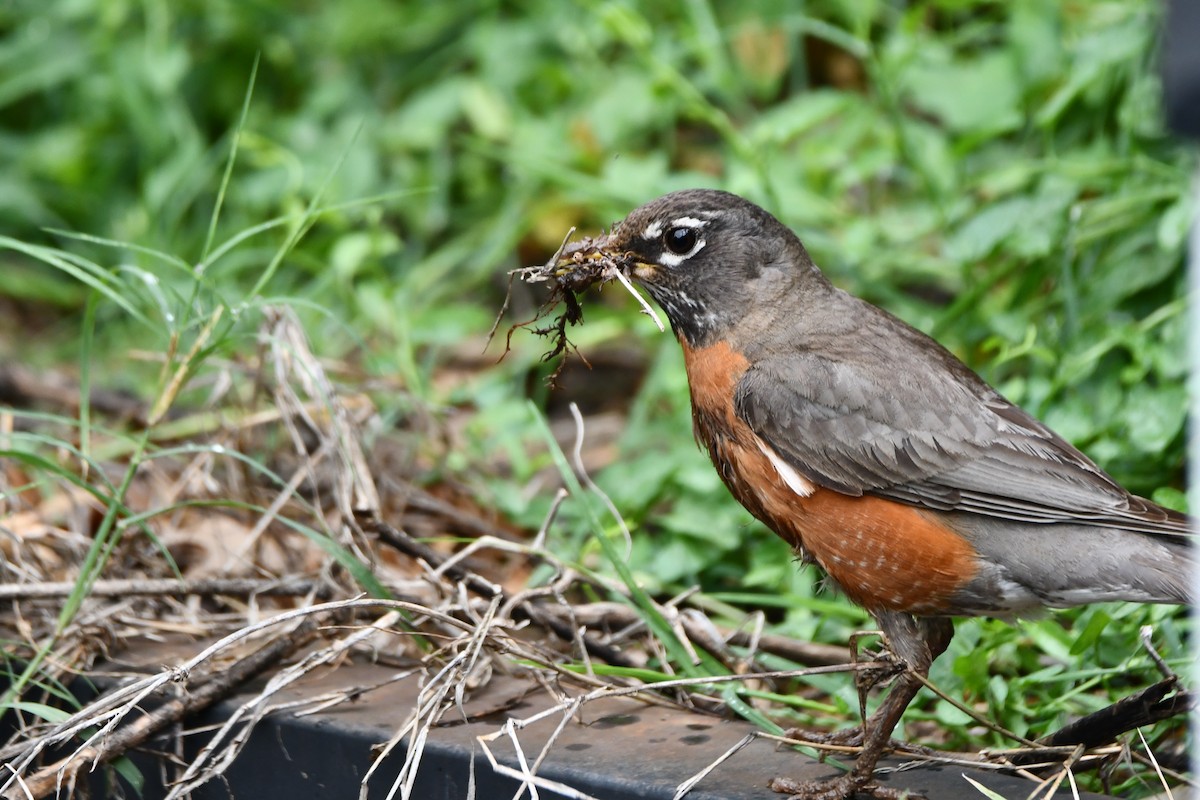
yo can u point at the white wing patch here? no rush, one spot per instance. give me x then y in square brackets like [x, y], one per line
[794, 480]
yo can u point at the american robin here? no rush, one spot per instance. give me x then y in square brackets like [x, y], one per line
[874, 452]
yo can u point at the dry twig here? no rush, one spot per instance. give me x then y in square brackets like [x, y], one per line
[529, 611]
[170, 587]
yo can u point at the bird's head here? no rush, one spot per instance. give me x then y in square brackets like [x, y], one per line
[707, 257]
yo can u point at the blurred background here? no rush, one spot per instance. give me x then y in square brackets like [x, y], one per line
[995, 173]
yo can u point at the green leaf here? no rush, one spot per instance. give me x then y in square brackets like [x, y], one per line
[1155, 415]
[41, 710]
[1036, 34]
[130, 772]
[1026, 226]
[1175, 223]
[1088, 636]
[951, 716]
[798, 115]
[968, 95]
[487, 111]
[1171, 498]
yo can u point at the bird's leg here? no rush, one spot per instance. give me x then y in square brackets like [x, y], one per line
[864, 680]
[917, 642]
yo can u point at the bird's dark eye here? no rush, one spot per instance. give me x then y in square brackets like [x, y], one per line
[680, 241]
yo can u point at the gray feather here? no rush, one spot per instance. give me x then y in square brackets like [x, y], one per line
[933, 435]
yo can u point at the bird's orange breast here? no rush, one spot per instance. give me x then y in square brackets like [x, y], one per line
[885, 555]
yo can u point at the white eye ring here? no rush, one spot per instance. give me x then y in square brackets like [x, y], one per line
[671, 258]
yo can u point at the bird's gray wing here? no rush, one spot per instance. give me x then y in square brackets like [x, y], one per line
[931, 434]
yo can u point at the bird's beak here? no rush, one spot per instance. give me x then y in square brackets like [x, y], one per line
[581, 264]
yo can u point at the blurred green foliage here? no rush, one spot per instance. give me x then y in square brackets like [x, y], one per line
[993, 172]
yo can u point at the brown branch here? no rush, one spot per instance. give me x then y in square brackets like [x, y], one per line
[810, 654]
[1150, 705]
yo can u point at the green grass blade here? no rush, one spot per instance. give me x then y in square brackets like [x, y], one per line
[229, 162]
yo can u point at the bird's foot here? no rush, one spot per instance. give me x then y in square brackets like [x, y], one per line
[843, 787]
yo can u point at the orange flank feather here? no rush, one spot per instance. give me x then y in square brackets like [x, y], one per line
[886, 556]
